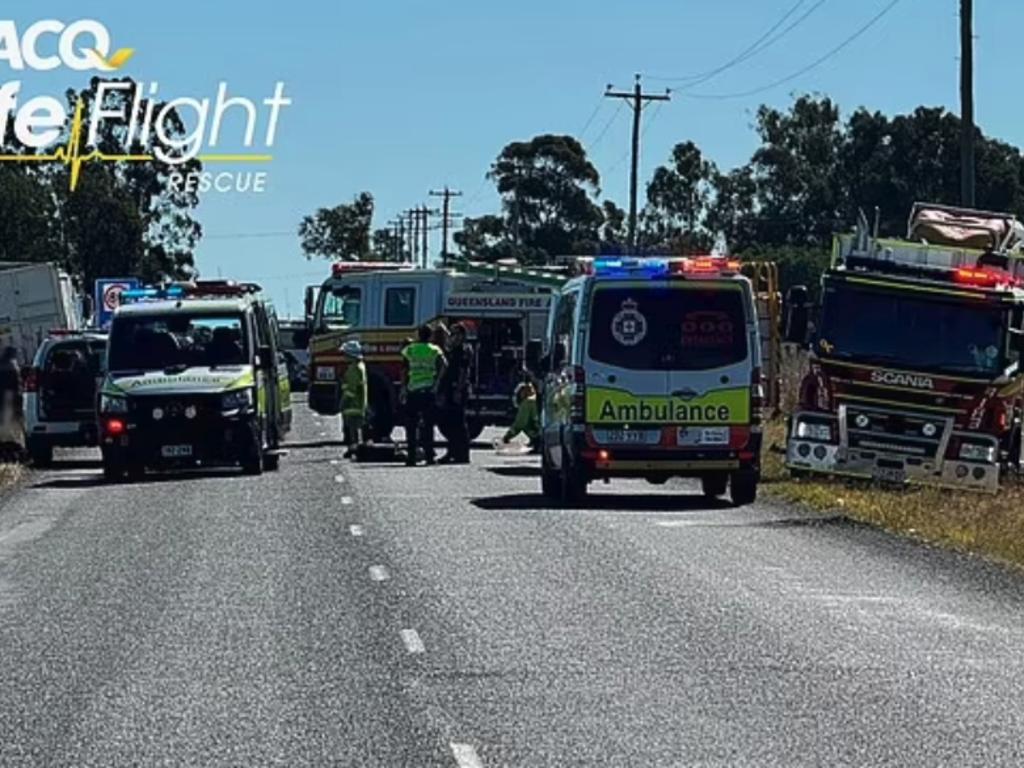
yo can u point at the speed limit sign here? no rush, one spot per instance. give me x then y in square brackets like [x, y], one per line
[108, 297]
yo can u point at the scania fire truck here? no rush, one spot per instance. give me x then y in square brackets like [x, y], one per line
[381, 304]
[915, 364]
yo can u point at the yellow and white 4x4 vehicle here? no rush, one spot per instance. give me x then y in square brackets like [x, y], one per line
[195, 377]
[653, 371]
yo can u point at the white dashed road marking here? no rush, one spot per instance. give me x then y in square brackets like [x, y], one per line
[355, 530]
[339, 478]
[466, 756]
[346, 500]
[379, 573]
[412, 641]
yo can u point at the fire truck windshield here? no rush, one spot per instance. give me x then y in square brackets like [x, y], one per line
[340, 305]
[911, 330]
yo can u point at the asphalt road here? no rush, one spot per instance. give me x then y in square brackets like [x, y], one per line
[370, 615]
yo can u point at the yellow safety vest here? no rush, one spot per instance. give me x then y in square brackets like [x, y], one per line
[422, 359]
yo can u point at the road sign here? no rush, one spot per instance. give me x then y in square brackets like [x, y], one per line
[108, 297]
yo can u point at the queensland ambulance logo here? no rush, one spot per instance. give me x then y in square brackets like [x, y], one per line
[629, 326]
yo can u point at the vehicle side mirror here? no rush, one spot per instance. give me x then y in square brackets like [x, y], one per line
[798, 315]
[534, 352]
[266, 356]
[559, 355]
[1017, 341]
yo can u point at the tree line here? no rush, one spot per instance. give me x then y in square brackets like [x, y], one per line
[812, 171]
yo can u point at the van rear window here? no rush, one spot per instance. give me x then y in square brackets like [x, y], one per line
[663, 328]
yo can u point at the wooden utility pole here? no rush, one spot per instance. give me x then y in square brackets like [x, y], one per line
[424, 213]
[447, 194]
[637, 100]
[413, 229]
[967, 181]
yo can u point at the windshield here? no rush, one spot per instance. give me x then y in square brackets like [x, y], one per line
[180, 340]
[912, 331]
[341, 305]
[663, 328]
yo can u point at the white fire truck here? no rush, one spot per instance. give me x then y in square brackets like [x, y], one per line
[382, 304]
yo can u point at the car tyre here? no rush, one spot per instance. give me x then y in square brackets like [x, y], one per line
[40, 454]
[743, 488]
[549, 479]
[573, 485]
[714, 486]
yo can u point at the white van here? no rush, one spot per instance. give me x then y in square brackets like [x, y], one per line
[653, 371]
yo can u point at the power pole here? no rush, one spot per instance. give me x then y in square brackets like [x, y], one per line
[424, 212]
[413, 229]
[637, 101]
[967, 187]
[447, 194]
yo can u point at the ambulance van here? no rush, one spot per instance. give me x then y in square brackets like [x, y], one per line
[653, 371]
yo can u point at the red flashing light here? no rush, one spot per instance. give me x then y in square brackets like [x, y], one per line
[348, 267]
[703, 265]
[603, 456]
[983, 278]
[114, 427]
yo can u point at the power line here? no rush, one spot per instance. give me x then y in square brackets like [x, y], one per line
[249, 235]
[804, 70]
[604, 131]
[761, 44]
[590, 119]
[654, 116]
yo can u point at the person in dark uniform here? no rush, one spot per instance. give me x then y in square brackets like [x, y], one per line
[10, 383]
[454, 393]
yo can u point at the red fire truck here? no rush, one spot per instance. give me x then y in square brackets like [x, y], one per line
[915, 363]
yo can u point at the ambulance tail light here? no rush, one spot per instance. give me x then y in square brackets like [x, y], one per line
[30, 380]
[756, 397]
[578, 410]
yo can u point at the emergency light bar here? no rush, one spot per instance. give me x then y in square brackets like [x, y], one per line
[198, 289]
[350, 267]
[636, 266]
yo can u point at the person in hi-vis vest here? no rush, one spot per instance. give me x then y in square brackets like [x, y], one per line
[424, 365]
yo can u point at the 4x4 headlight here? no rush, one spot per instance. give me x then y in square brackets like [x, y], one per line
[237, 399]
[113, 404]
[806, 430]
[978, 452]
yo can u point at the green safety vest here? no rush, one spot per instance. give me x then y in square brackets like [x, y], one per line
[354, 397]
[422, 359]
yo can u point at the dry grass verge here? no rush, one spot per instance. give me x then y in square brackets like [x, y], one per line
[9, 475]
[972, 522]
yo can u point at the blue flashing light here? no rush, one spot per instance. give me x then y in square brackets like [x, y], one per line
[153, 294]
[634, 267]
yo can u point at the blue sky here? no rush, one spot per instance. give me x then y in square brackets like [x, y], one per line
[401, 97]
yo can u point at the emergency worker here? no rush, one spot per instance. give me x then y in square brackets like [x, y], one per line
[453, 396]
[354, 397]
[424, 366]
[527, 419]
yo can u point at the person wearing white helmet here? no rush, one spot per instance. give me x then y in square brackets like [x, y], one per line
[354, 397]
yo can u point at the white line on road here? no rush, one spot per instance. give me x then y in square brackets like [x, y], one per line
[355, 530]
[466, 756]
[339, 478]
[335, 462]
[412, 641]
[346, 500]
[379, 573]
